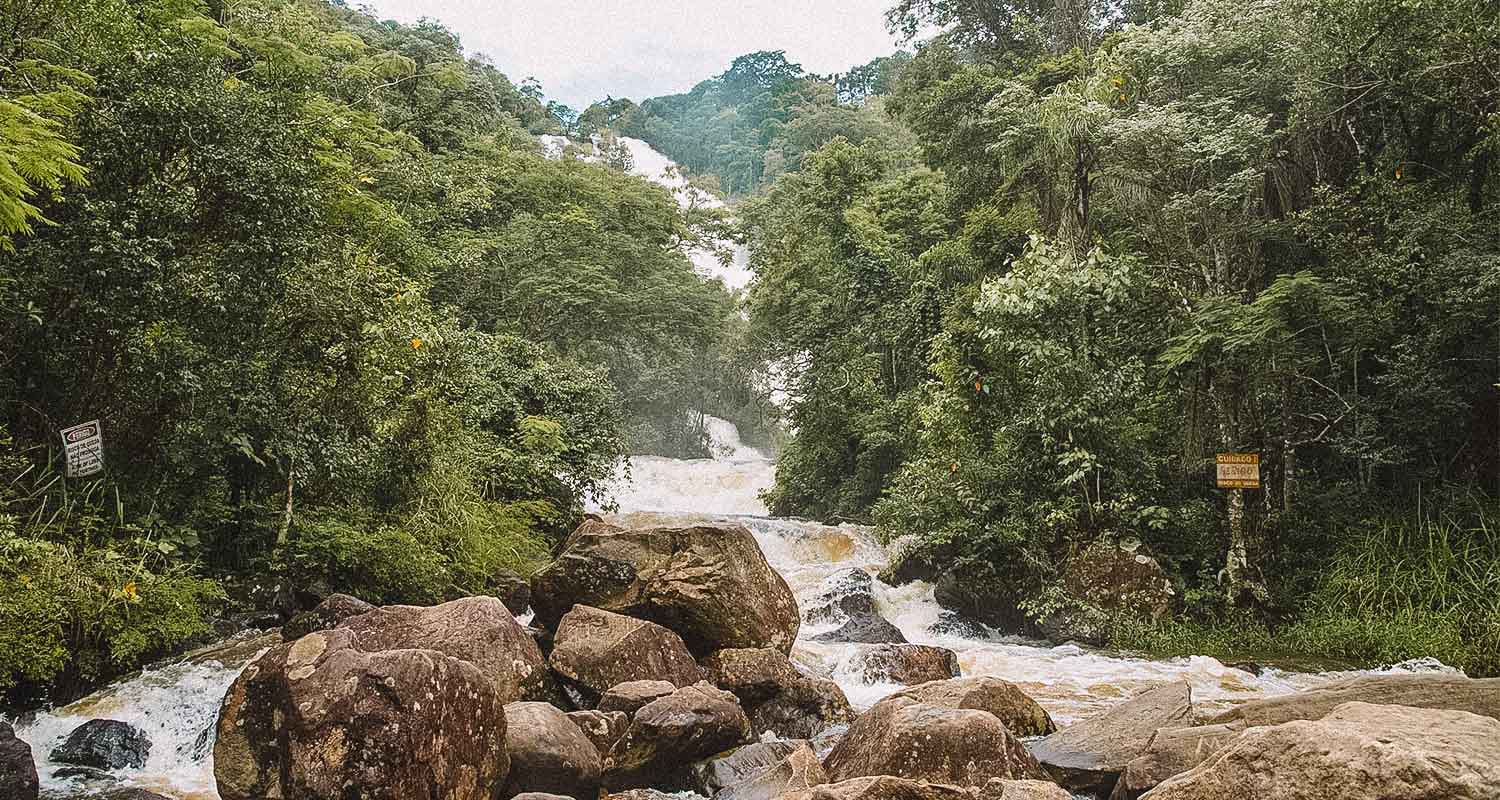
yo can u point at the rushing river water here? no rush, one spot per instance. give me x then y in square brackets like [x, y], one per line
[176, 703]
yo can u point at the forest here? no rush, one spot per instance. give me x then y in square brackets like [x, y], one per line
[1023, 286]
[346, 328]
[342, 324]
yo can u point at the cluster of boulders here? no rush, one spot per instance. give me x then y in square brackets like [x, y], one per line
[660, 664]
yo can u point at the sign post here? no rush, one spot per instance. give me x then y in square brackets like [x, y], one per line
[1239, 470]
[84, 448]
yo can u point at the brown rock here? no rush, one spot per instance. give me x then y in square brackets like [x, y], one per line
[1113, 577]
[1089, 756]
[548, 753]
[543, 796]
[1358, 752]
[319, 718]
[1001, 789]
[1428, 690]
[596, 650]
[778, 698]
[479, 630]
[1021, 714]
[512, 589]
[907, 739]
[334, 609]
[738, 765]
[882, 787]
[908, 664]
[797, 771]
[666, 736]
[601, 728]
[1171, 751]
[18, 776]
[631, 695]
[710, 584]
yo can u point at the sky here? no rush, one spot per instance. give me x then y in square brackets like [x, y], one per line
[583, 50]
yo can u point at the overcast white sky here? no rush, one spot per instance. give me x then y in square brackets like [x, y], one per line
[582, 50]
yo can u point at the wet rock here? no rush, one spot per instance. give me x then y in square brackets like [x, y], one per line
[952, 623]
[329, 613]
[601, 728]
[513, 590]
[999, 789]
[794, 772]
[882, 787]
[543, 796]
[666, 736]
[1090, 755]
[642, 794]
[779, 699]
[130, 794]
[631, 695]
[479, 630]
[203, 744]
[1422, 690]
[908, 664]
[975, 589]
[596, 650]
[1357, 752]
[18, 776]
[738, 765]
[104, 744]
[711, 584]
[322, 718]
[902, 737]
[912, 561]
[1171, 751]
[1021, 714]
[848, 600]
[91, 777]
[548, 753]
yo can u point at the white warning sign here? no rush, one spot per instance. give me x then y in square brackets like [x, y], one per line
[84, 446]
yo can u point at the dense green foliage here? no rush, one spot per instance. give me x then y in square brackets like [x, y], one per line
[1123, 248]
[340, 318]
[759, 119]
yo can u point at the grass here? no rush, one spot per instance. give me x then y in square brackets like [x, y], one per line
[1395, 591]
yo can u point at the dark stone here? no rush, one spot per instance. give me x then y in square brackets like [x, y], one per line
[548, 753]
[848, 599]
[87, 775]
[513, 590]
[601, 728]
[18, 778]
[596, 650]
[329, 613]
[666, 736]
[975, 589]
[740, 764]
[951, 623]
[104, 744]
[912, 561]
[779, 699]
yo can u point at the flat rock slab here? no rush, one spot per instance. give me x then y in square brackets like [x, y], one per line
[1090, 755]
[1444, 691]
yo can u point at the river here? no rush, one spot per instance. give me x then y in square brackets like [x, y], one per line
[176, 703]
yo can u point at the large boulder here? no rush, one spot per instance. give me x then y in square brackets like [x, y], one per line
[1119, 577]
[601, 728]
[1422, 690]
[902, 737]
[334, 609]
[322, 718]
[548, 753]
[779, 699]
[479, 630]
[596, 650]
[908, 664]
[1170, 751]
[18, 776]
[1090, 755]
[1357, 752]
[512, 589]
[1021, 714]
[631, 695]
[882, 787]
[848, 601]
[667, 735]
[711, 584]
[104, 744]
[1001, 789]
